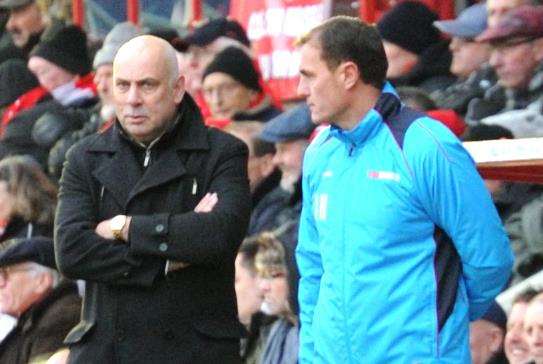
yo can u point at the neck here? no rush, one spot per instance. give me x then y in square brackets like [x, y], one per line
[364, 99]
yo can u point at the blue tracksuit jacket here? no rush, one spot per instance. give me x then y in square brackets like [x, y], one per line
[400, 245]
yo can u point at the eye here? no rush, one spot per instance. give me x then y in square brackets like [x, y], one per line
[148, 86]
[122, 86]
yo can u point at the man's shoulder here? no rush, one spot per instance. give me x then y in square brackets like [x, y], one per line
[218, 140]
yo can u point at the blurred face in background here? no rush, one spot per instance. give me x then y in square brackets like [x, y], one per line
[533, 329]
[515, 345]
[49, 74]
[515, 62]
[468, 56]
[274, 288]
[20, 288]
[289, 156]
[497, 8]
[103, 79]
[248, 294]
[400, 61]
[225, 96]
[23, 22]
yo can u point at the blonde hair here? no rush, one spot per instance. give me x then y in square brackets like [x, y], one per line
[270, 258]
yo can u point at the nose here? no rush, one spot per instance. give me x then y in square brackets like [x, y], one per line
[495, 58]
[134, 97]
[10, 25]
[264, 285]
[302, 90]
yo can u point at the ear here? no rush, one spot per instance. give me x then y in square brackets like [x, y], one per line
[179, 89]
[253, 95]
[266, 165]
[44, 282]
[496, 339]
[349, 74]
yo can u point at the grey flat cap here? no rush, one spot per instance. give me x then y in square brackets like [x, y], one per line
[290, 125]
[470, 23]
[13, 4]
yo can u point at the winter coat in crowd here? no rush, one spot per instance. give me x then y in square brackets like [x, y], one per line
[498, 99]
[134, 312]
[30, 134]
[458, 95]
[40, 331]
[18, 228]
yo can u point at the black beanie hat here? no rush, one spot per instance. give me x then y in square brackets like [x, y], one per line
[67, 48]
[237, 64]
[15, 80]
[409, 25]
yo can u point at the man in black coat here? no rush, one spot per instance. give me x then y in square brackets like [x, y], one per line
[151, 213]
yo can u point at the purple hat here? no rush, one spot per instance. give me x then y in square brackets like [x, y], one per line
[524, 21]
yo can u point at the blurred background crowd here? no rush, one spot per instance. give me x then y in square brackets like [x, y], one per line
[481, 74]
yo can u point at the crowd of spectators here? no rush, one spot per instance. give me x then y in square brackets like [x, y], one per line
[480, 74]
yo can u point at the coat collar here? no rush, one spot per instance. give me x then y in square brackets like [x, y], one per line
[122, 175]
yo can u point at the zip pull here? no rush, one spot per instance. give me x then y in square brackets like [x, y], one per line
[147, 157]
[194, 186]
[351, 150]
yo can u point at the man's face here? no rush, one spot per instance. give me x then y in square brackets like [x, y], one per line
[288, 158]
[320, 86]
[225, 96]
[145, 96]
[18, 289]
[400, 61]
[514, 64]
[248, 294]
[533, 329]
[196, 60]
[274, 288]
[468, 56]
[103, 79]
[496, 9]
[23, 23]
[485, 340]
[49, 74]
[515, 345]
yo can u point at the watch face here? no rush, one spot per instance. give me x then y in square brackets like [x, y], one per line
[117, 222]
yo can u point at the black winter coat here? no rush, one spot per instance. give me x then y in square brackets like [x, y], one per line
[133, 312]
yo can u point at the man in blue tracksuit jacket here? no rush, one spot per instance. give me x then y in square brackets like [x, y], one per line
[400, 245]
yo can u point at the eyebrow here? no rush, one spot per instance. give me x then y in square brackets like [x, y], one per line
[139, 82]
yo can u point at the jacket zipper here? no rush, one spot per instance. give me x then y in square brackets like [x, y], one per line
[147, 157]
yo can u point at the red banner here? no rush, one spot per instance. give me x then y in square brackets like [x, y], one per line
[273, 26]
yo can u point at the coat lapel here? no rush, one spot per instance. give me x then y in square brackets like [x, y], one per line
[119, 173]
[167, 168]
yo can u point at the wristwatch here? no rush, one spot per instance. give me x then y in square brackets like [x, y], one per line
[116, 225]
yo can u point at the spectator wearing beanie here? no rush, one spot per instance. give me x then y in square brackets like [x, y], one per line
[416, 54]
[232, 89]
[101, 116]
[62, 66]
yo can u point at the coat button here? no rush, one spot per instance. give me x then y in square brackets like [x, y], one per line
[163, 247]
[126, 274]
[159, 228]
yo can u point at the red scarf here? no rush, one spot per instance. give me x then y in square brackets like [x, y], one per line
[26, 101]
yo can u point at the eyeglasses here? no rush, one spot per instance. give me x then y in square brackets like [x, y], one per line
[4, 272]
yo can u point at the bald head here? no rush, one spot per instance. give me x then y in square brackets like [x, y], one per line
[147, 88]
[152, 48]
